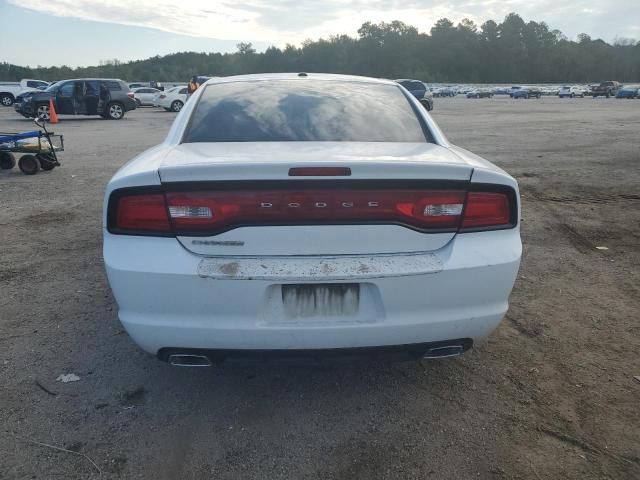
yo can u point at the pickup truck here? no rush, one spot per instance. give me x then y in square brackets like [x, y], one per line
[10, 90]
[605, 89]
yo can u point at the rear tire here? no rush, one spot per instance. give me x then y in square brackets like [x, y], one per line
[46, 161]
[28, 164]
[176, 105]
[7, 161]
[115, 111]
[6, 99]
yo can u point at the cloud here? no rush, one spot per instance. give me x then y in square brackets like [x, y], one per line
[292, 21]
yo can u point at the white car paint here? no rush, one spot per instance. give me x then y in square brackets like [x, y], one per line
[172, 99]
[145, 95]
[571, 91]
[10, 90]
[226, 291]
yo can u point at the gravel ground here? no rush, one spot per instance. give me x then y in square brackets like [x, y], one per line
[551, 395]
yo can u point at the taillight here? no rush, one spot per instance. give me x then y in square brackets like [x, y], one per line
[131, 95]
[486, 209]
[140, 214]
[162, 96]
[213, 212]
[216, 211]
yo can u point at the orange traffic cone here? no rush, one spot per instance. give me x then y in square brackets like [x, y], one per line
[53, 116]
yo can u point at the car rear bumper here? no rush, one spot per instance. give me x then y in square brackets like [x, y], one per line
[171, 298]
[414, 351]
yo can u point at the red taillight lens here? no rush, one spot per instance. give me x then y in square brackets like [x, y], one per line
[486, 209]
[163, 96]
[217, 211]
[213, 212]
[141, 213]
[131, 95]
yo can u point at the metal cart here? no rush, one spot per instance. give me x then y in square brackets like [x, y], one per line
[39, 147]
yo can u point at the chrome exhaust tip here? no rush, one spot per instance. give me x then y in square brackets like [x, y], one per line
[188, 360]
[445, 351]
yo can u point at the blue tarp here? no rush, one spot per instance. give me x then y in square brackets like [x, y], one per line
[14, 137]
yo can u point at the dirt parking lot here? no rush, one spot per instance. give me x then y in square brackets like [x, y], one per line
[552, 395]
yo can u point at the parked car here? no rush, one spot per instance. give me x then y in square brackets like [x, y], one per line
[326, 214]
[173, 99]
[144, 96]
[418, 90]
[628, 92]
[480, 93]
[156, 96]
[514, 89]
[527, 92]
[606, 89]
[443, 92]
[571, 91]
[10, 90]
[109, 98]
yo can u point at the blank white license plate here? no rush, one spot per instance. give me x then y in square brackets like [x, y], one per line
[321, 300]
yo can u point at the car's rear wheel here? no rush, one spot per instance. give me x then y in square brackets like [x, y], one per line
[7, 161]
[176, 105]
[115, 111]
[6, 99]
[28, 164]
[42, 112]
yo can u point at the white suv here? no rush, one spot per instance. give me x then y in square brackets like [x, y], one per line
[571, 91]
[329, 214]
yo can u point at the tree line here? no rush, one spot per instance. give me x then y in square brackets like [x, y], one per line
[513, 51]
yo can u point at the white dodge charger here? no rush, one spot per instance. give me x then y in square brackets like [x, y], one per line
[293, 215]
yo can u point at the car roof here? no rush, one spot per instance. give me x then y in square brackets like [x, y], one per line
[299, 76]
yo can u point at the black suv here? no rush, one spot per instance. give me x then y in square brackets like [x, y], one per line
[109, 98]
[418, 90]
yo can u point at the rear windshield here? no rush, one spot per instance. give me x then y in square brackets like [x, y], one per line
[413, 85]
[304, 110]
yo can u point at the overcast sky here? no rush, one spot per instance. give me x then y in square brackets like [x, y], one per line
[83, 32]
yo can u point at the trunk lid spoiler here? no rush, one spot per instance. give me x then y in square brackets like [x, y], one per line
[202, 162]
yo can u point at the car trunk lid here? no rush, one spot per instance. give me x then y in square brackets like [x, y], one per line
[312, 214]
